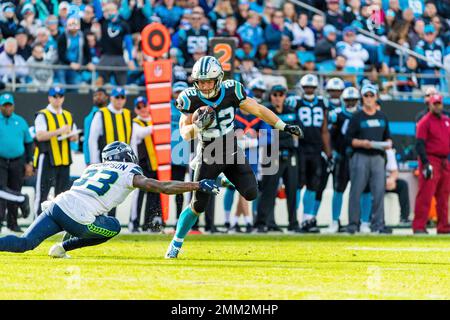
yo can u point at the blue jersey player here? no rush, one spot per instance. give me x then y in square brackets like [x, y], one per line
[219, 151]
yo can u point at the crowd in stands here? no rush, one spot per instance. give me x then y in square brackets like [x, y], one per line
[271, 36]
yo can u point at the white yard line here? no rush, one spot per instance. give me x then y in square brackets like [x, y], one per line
[411, 249]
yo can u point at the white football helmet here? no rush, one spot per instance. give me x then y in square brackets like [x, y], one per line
[257, 84]
[350, 93]
[335, 84]
[309, 80]
[208, 68]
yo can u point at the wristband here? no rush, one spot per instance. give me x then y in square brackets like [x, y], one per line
[280, 125]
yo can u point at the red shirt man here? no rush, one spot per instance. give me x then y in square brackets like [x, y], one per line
[433, 147]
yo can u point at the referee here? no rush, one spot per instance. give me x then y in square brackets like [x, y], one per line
[143, 146]
[52, 156]
[368, 134]
[433, 147]
[110, 123]
[15, 159]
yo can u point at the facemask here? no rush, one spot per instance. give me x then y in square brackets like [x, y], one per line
[335, 101]
[308, 96]
[352, 109]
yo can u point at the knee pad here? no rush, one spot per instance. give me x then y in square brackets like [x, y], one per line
[198, 207]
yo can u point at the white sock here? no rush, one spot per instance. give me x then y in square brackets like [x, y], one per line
[227, 216]
[234, 221]
[307, 216]
[248, 219]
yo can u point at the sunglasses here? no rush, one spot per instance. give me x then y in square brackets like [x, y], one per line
[141, 106]
[369, 95]
[278, 94]
[58, 96]
[120, 97]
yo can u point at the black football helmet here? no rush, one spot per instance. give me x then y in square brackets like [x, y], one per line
[119, 151]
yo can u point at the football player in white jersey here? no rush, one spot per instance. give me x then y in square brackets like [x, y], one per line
[81, 210]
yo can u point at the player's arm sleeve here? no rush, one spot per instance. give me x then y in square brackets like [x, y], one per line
[239, 91]
[136, 171]
[96, 131]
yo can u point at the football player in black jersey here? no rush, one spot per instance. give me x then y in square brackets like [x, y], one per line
[312, 113]
[334, 87]
[215, 155]
[339, 119]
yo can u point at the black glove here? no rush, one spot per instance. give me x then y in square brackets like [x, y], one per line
[294, 130]
[428, 171]
[209, 186]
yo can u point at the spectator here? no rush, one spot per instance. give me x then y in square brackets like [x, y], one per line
[218, 16]
[352, 12]
[28, 19]
[50, 46]
[290, 15]
[368, 134]
[194, 38]
[136, 77]
[72, 52]
[46, 8]
[63, 13]
[417, 33]
[399, 34]
[9, 26]
[12, 65]
[303, 36]
[41, 77]
[325, 50]
[115, 36]
[264, 59]
[334, 15]
[231, 30]
[52, 25]
[23, 48]
[309, 63]
[170, 14]
[137, 13]
[248, 71]
[433, 148]
[16, 157]
[243, 12]
[207, 5]
[275, 30]
[251, 31]
[354, 52]
[396, 185]
[93, 55]
[317, 24]
[179, 74]
[410, 82]
[87, 19]
[290, 65]
[280, 57]
[431, 48]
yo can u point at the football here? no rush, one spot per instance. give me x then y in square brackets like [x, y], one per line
[203, 117]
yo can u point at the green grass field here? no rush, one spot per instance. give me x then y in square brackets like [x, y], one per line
[236, 267]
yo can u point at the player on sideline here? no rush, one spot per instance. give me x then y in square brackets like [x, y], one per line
[81, 211]
[224, 97]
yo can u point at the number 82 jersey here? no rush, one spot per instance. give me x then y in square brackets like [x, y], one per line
[230, 95]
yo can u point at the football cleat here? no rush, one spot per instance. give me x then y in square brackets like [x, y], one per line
[309, 226]
[172, 252]
[57, 251]
[25, 207]
[365, 228]
[333, 227]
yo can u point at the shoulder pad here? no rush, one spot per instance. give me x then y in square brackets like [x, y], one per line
[137, 170]
[183, 102]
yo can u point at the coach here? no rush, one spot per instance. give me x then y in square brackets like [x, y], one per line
[433, 148]
[368, 134]
[15, 156]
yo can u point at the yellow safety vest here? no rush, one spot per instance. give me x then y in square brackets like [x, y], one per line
[59, 151]
[116, 127]
[149, 146]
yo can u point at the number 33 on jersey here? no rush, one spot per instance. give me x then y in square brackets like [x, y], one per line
[230, 96]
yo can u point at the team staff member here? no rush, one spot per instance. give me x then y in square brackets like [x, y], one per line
[369, 136]
[142, 144]
[100, 100]
[52, 155]
[15, 158]
[288, 166]
[433, 147]
[110, 123]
